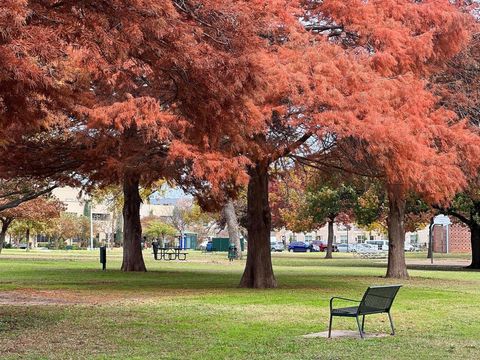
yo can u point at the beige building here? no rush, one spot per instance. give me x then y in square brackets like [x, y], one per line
[164, 212]
[105, 222]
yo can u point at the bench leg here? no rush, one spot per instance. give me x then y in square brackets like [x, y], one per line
[330, 327]
[363, 324]
[359, 327]
[391, 323]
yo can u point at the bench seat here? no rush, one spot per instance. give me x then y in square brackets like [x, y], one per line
[347, 311]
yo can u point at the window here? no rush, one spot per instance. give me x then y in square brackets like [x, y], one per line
[361, 239]
[100, 217]
[319, 237]
[308, 238]
[372, 237]
[343, 239]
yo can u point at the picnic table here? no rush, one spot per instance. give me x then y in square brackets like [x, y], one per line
[172, 254]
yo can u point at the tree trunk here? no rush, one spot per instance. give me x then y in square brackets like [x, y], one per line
[258, 269]
[397, 267]
[2, 239]
[232, 225]
[430, 242]
[330, 240]
[132, 228]
[475, 242]
[3, 232]
[27, 236]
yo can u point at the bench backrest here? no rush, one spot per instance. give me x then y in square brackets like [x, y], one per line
[378, 299]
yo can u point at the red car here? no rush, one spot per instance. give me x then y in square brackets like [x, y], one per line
[323, 245]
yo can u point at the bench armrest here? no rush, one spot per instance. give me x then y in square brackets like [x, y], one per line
[341, 298]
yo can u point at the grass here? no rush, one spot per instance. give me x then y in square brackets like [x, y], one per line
[194, 310]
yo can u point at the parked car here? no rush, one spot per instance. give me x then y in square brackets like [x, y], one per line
[299, 246]
[366, 248]
[314, 248]
[352, 247]
[381, 244]
[323, 245]
[277, 246]
[410, 247]
[344, 247]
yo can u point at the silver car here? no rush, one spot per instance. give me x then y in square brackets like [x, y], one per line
[277, 246]
[345, 247]
[367, 248]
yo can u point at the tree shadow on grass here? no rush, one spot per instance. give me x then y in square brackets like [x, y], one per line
[158, 280]
[434, 267]
[17, 318]
[368, 263]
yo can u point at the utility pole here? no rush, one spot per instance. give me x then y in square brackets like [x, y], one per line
[430, 240]
[348, 228]
[91, 224]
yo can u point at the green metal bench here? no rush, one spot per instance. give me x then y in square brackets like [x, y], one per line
[376, 300]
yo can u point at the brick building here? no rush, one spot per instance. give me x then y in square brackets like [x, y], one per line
[457, 239]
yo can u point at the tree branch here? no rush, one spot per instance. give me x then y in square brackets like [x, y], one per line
[319, 165]
[462, 218]
[287, 150]
[321, 28]
[29, 196]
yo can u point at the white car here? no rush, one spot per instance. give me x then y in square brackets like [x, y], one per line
[346, 247]
[369, 251]
[380, 244]
[366, 248]
[410, 247]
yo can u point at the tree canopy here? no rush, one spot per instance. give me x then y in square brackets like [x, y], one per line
[210, 94]
[159, 229]
[29, 215]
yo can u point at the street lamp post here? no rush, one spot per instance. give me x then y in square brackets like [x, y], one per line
[347, 237]
[91, 224]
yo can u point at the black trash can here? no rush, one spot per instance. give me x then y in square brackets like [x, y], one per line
[103, 257]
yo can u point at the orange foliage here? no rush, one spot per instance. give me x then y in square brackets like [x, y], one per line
[153, 87]
[38, 209]
[405, 36]
[356, 97]
[179, 88]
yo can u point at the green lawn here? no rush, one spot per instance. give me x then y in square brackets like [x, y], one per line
[193, 309]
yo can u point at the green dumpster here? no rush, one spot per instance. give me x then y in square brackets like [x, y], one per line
[222, 244]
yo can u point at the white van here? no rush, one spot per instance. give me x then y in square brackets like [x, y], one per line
[381, 244]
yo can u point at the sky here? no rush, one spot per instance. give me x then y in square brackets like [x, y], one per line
[170, 196]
